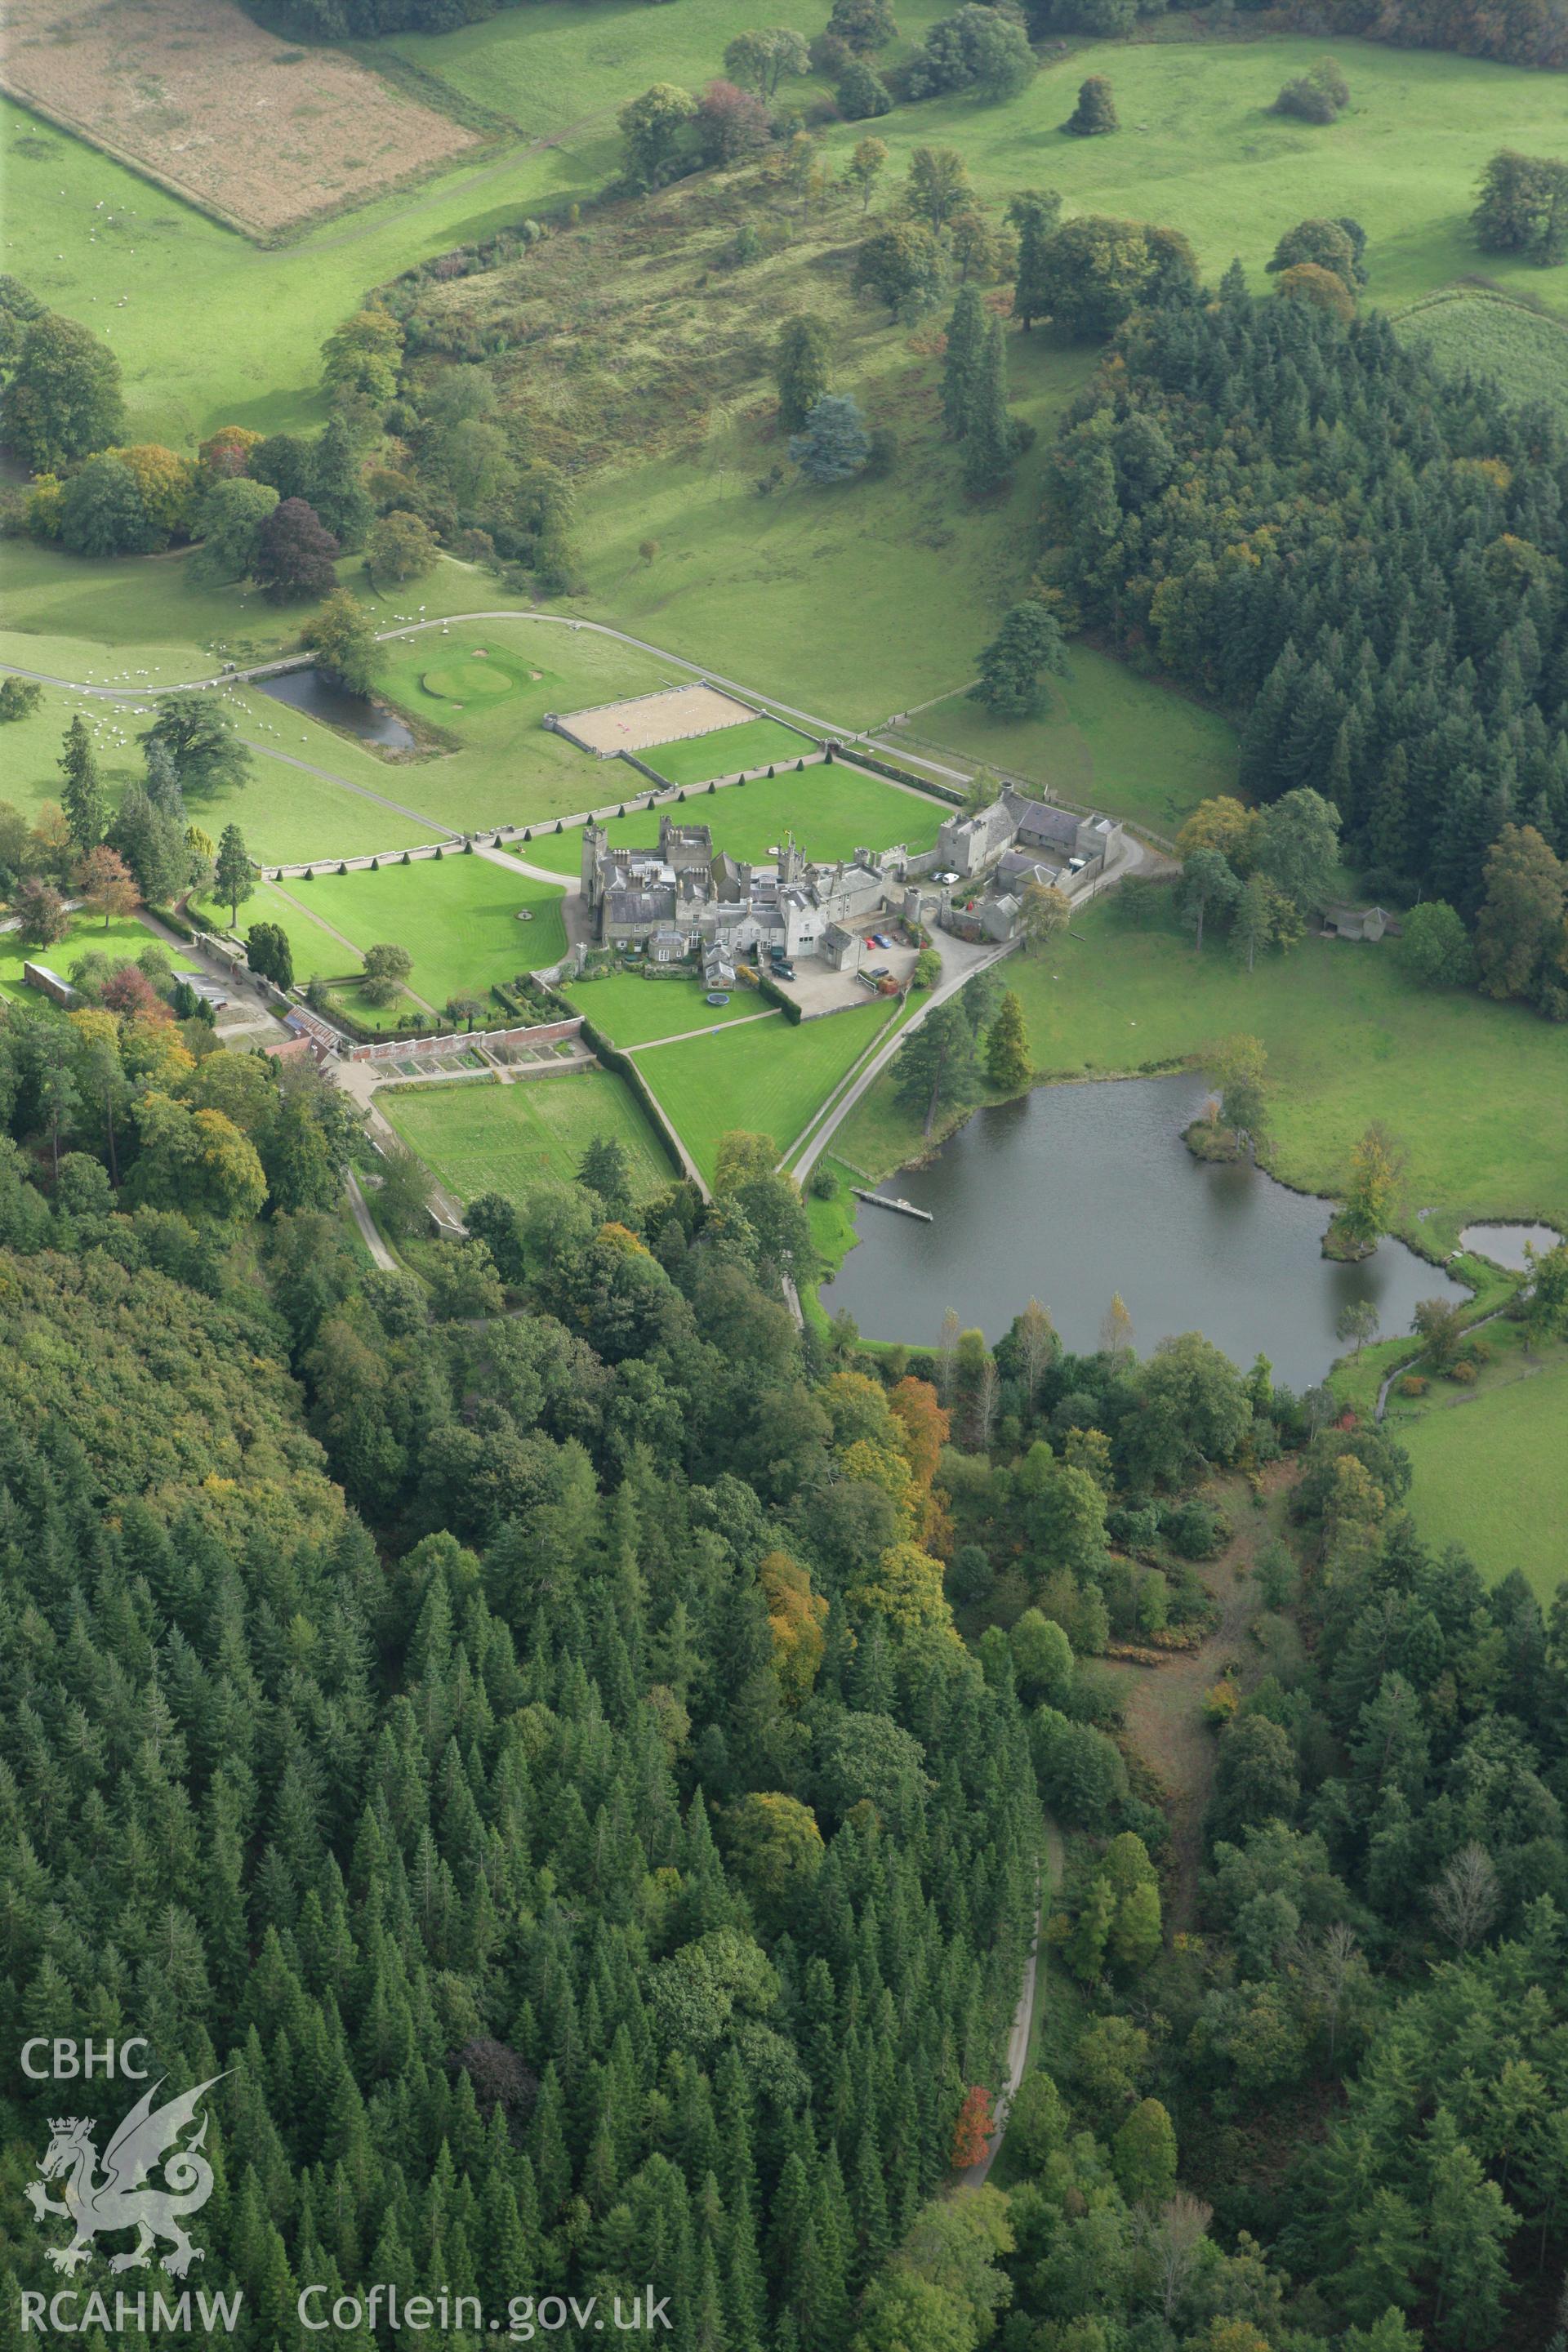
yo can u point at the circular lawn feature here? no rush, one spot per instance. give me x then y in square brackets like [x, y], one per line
[467, 681]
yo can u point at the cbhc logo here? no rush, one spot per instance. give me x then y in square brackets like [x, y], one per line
[68, 2060]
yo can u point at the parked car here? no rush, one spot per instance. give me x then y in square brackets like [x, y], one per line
[784, 971]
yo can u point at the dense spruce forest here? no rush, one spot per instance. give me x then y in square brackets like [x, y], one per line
[1289, 509]
[597, 1859]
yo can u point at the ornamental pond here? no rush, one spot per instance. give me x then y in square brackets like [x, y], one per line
[1072, 1193]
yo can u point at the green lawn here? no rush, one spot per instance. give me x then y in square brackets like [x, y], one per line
[769, 1077]
[128, 939]
[631, 1010]
[456, 915]
[1198, 150]
[1477, 1093]
[315, 950]
[830, 810]
[505, 1139]
[1491, 1473]
[1110, 739]
[728, 751]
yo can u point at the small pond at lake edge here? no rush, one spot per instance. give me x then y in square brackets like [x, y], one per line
[1504, 1246]
[1073, 1192]
[308, 690]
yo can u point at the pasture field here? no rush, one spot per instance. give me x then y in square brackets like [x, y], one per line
[217, 330]
[87, 932]
[1199, 151]
[729, 751]
[1491, 1470]
[1348, 1041]
[553, 72]
[830, 811]
[769, 1076]
[506, 1139]
[632, 1011]
[1472, 333]
[285, 132]
[1111, 740]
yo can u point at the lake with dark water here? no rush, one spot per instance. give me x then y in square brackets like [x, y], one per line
[308, 690]
[1073, 1192]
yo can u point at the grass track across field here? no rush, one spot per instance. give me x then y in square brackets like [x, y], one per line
[769, 1077]
[506, 1139]
[1477, 1093]
[457, 916]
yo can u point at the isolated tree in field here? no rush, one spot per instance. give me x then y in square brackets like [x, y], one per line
[398, 547]
[82, 794]
[1372, 1190]
[1523, 207]
[975, 48]
[902, 263]
[960, 365]
[1007, 1063]
[1095, 113]
[107, 884]
[862, 96]
[1442, 1330]
[294, 555]
[760, 60]
[835, 445]
[1520, 922]
[386, 967]
[1035, 214]
[40, 911]
[19, 697]
[651, 128]
[268, 951]
[1208, 887]
[991, 441]
[1356, 1323]
[229, 527]
[233, 880]
[1324, 241]
[801, 367]
[863, 24]
[343, 638]
[866, 167]
[938, 186]
[1317, 96]
[62, 399]
[1013, 666]
[200, 739]
[1434, 947]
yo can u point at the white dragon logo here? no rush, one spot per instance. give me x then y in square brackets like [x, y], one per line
[118, 2200]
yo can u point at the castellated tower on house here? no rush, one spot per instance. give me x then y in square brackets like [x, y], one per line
[594, 840]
